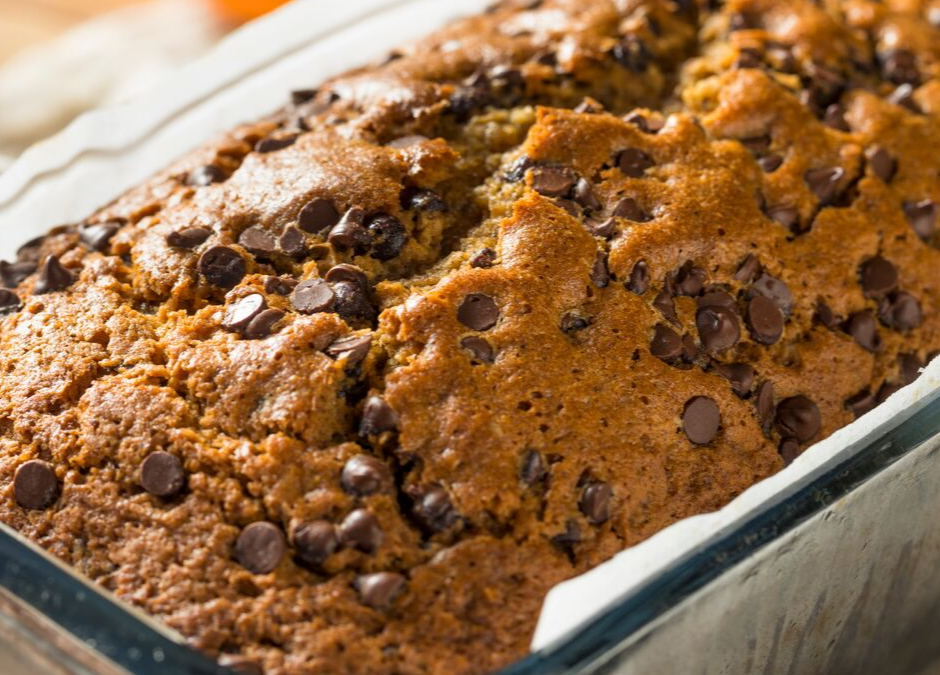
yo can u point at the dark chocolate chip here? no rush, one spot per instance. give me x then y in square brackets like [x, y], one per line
[388, 236]
[631, 53]
[601, 228]
[600, 275]
[360, 530]
[261, 326]
[718, 328]
[639, 281]
[878, 277]
[701, 420]
[748, 269]
[797, 417]
[595, 503]
[787, 216]
[97, 237]
[478, 312]
[666, 344]
[900, 66]
[377, 417]
[765, 320]
[364, 475]
[315, 541]
[569, 206]
[584, 195]
[717, 299]
[775, 289]
[260, 547]
[825, 316]
[188, 237]
[860, 403]
[824, 182]
[882, 164]
[9, 302]
[483, 259]
[12, 274]
[347, 272]
[573, 323]
[349, 232]
[633, 162]
[764, 403]
[380, 590]
[52, 277]
[885, 391]
[834, 117]
[274, 144]
[770, 163]
[909, 366]
[293, 242]
[258, 241]
[479, 349]
[922, 216]
[279, 285]
[35, 485]
[900, 311]
[533, 468]
[312, 296]
[353, 348]
[904, 96]
[301, 96]
[789, 450]
[553, 181]
[741, 376]
[318, 216]
[863, 329]
[689, 280]
[222, 266]
[666, 306]
[240, 313]
[422, 200]
[205, 175]
[352, 301]
[629, 209]
[434, 510]
[162, 474]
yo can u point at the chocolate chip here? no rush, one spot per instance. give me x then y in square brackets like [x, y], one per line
[900, 66]
[787, 216]
[882, 164]
[97, 237]
[600, 275]
[318, 216]
[240, 313]
[553, 181]
[690, 351]
[315, 541]
[569, 206]
[765, 320]
[909, 366]
[380, 590]
[584, 195]
[741, 376]
[360, 530]
[878, 277]
[364, 475]
[748, 269]
[260, 327]
[352, 301]
[188, 237]
[205, 175]
[666, 306]
[279, 285]
[293, 242]
[900, 311]
[222, 266]
[629, 209]
[260, 547]
[863, 329]
[434, 510]
[824, 88]
[312, 296]
[273, 144]
[764, 403]
[478, 312]
[601, 228]
[717, 299]
[904, 97]
[757, 144]
[12, 274]
[834, 117]
[825, 315]
[824, 182]
[797, 417]
[301, 96]
[922, 216]
[595, 503]
[639, 281]
[388, 236]
[9, 302]
[775, 289]
[573, 323]
[353, 348]
[860, 403]
[533, 468]
[377, 417]
[633, 162]
[631, 53]
[162, 474]
[422, 200]
[480, 349]
[483, 259]
[258, 241]
[770, 163]
[701, 420]
[718, 328]
[885, 392]
[666, 344]
[35, 485]
[52, 277]
[30, 251]
[747, 59]
[689, 280]
[789, 450]
[567, 540]
[349, 232]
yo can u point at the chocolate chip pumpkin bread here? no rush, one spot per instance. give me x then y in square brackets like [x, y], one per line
[349, 389]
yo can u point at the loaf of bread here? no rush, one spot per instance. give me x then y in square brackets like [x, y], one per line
[348, 390]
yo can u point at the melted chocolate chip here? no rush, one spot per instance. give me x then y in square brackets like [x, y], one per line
[882, 164]
[922, 217]
[434, 510]
[584, 195]
[600, 275]
[666, 344]
[377, 417]
[353, 348]
[318, 216]
[553, 181]
[315, 542]
[240, 313]
[797, 417]
[364, 475]
[52, 277]
[765, 320]
[260, 547]
[222, 266]
[35, 485]
[741, 376]
[863, 329]
[595, 503]
[312, 296]
[188, 237]
[775, 289]
[261, 326]
[900, 311]
[258, 241]
[639, 281]
[205, 175]
[824, 182]
[360, 530]
[479, 348]
[349, 232]
[13, 274]
[9, 302]
[701, 420]
[689, 280]
[293, 242]
[718, 328]
[533, 468]
[98, 237]
[388, 236]
[629, 209]
[789, 450]
[483, 259]
[380, 590]
[478, 312]
[633, 162]
[764, 403]
[162, 474]
[878, 277]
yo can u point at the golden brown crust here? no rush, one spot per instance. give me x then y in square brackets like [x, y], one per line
[615, 261]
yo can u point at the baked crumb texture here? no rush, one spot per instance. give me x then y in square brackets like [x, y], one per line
[349, 389]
